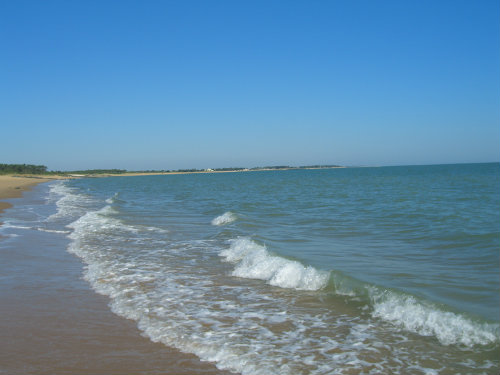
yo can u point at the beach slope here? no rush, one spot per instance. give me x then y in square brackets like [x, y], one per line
[13, 187]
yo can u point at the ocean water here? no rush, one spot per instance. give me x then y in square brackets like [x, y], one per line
[331, 271]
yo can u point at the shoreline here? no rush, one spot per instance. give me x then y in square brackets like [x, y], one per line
[14, 187]
[56, 323]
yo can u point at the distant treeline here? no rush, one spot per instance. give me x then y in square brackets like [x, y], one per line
[22, 169]
[42, 169]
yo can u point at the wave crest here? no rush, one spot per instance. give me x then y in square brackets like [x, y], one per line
[253, 261]
[225, 218]
[427, 319]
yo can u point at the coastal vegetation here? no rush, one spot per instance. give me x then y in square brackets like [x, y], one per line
[22, 169]
[28, 169]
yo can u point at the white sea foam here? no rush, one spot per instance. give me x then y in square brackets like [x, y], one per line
[253, 261]
[69, 203]
[427, 319]
[7, 224]
[99, 222]
[15, 226]
[53, 231]
[226, 218]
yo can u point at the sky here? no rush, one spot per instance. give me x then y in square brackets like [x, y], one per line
[165, 85]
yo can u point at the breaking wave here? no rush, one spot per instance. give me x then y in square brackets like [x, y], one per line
[226, 218]
[427, 319]
[254, 261]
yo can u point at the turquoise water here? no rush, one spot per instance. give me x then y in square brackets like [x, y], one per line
[338, 271]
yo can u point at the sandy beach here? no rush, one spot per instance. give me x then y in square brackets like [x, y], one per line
[56, 324]
[13, 187]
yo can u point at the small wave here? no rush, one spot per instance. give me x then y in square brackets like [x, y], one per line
[53, 231]
[98, 221]
[8, 225]
[226, 218]
[113, 199]
[69, 203]
[416, 315]
[156, 229]
[426, 319]
[253, 261]
[13, 226]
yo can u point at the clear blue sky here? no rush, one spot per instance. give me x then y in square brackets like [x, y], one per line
[206, 84]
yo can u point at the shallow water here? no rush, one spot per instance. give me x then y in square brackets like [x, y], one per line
[339, 271]
[51, 321]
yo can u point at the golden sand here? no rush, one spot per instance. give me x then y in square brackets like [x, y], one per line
[13, 187]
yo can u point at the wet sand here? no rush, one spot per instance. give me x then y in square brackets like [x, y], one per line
[53, 323]
[13, 187]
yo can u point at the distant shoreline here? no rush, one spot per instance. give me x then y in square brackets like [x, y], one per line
[40, 171]
[126, 174]
[13, 185]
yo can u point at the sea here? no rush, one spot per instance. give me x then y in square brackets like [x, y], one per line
[377, 270]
